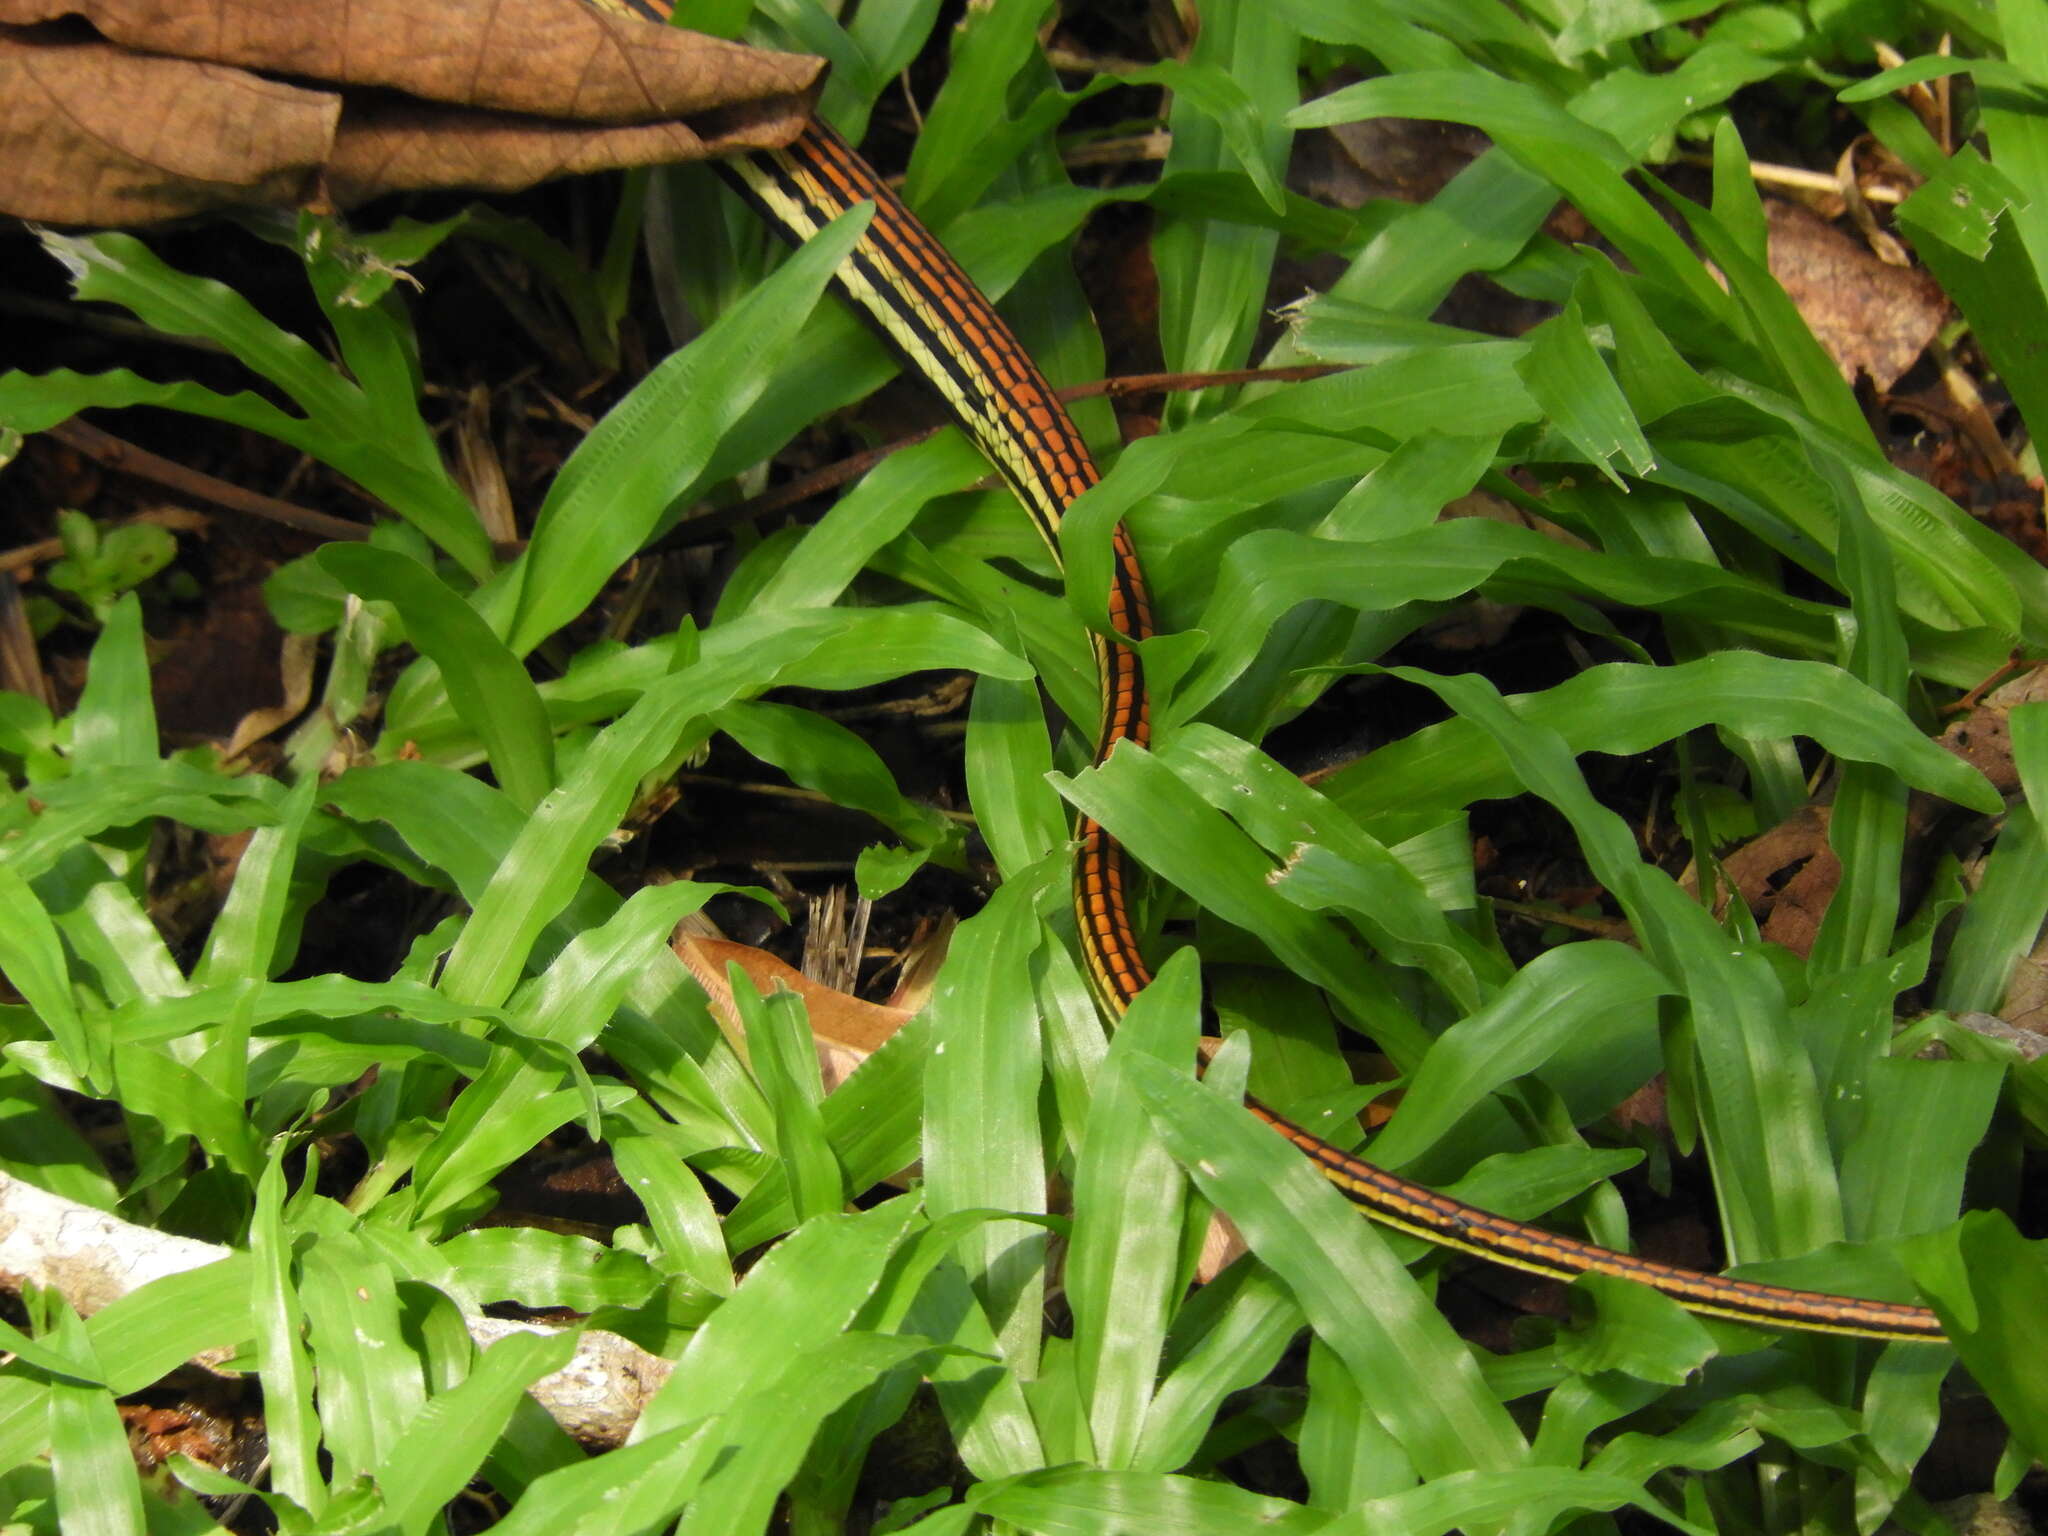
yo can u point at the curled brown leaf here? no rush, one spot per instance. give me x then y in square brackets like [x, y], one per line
[135, 111]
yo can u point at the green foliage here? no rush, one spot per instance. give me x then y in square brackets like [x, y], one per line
[98, 566]
[1788, 591]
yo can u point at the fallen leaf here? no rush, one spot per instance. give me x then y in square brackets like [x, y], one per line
[1787, 876]
[212, 137]
[848, 1029]
[296, 657]
[165, 108]
[1873, 318]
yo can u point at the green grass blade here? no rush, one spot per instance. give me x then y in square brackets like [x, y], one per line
[785, 1059]
[2000, 925]
[486, 684]
[875, 511]
[90, 1464]
[970, 137]
[340, 425]
[1636, 1331]
[1009, 753]
[982, 1148]
[1568, 379]
[32, 956]
[370, 1381]
[114, 726]
[1584, 1000]
[537, 1268]
[1531, 1497]
[155, 1328]
[1923, 1119]
[286, 1372]
[245, 938]
[1358, 1298]
[1173, 833]
[803, 1293]
[447, 1440]
[1212, 274]
[1622, 709]
[609, 497]
[768, 1432]
[820, 754]
[544, 866]
[635, 1488]
[1226, 1336]
[1130, 1205]
[84, 805]
[873, 1121]
[154, 1083]
[1760, 1105]
[1990, 1288]
[1346, 1455]
[1077, 1501]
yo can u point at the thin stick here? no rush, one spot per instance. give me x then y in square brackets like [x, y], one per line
[125, 458]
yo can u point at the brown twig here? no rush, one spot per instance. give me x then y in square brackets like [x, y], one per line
[2015, 663]
[1173, 383]
[125, 458]
[27, 557]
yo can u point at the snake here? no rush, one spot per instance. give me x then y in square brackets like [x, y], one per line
[926, 308]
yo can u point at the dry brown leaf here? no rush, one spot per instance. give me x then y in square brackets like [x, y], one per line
[1787, 876]
[206, 137]
[549, 58]
[162, 113]
[847, 1028]
[1872, 317]
[296, 657]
